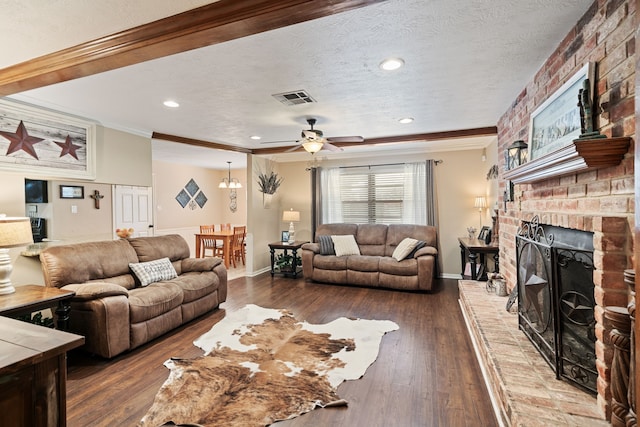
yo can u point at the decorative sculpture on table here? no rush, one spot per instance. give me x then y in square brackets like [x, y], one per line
[586, 113]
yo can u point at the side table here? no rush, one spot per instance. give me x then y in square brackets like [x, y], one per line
[29, 298]
[476, 247]
[294, 252]
[33, 374]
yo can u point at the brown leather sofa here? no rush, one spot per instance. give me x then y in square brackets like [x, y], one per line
[374, 266]
[111, 309]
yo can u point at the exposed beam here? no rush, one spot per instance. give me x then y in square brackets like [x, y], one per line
[433, 136]
[214, 23]
[199, 143]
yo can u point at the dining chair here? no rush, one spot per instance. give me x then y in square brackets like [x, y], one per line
[208, 243]
[220, 244]
[237, 245]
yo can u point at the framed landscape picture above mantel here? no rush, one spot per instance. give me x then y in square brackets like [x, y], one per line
[40, 142]
[556, 122]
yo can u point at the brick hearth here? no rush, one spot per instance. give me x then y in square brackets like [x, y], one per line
[523, 388]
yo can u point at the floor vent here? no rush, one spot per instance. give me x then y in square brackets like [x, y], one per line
[296, 97]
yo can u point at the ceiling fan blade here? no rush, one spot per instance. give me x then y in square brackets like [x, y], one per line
[346, 139]
[294, 148]
[330, 147]
[279, 142]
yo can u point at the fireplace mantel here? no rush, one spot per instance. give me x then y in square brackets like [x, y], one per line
[578, 156]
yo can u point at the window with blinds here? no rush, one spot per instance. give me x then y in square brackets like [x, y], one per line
[371, 194]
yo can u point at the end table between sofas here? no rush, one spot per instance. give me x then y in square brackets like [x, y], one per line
[31, 298]
[294, 246]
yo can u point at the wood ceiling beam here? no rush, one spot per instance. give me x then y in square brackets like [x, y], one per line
[199, 143]
[418, 137]
[214, 23]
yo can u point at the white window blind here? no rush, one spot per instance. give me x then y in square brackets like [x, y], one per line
[368, 194]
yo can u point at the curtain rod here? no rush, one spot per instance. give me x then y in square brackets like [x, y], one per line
[436, 162]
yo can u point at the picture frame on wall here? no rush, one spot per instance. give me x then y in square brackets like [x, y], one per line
[556, 122]
[35, 141]
[71, 192]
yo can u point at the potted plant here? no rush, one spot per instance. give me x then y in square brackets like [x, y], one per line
[268, 183]
[284, 263]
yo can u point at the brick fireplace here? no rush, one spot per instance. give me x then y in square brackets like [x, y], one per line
[597, 200]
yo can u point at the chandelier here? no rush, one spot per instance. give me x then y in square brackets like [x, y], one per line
[230, 182]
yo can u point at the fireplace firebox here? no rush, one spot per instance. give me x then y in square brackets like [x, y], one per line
[556, 298]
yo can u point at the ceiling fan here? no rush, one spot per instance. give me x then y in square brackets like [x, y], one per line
[313, 140]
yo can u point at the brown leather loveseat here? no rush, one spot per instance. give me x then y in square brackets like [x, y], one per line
[116, 310]
[374, 265]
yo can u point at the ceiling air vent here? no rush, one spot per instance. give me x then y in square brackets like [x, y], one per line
[296, 97]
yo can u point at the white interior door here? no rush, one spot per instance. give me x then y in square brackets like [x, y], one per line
[133, 208]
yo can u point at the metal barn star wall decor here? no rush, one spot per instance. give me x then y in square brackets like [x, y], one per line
[44, 142]
[68, 147]
[21, 140]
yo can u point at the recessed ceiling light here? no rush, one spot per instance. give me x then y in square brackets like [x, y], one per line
[391, 64]
[256, 137]
[406, 120]
[171, 104]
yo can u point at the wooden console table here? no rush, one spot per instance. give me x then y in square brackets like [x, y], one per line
[475, 248]
[33, 374]
[30, 298]
[294, 252]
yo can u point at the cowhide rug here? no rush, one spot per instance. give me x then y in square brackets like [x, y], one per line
[262, 365]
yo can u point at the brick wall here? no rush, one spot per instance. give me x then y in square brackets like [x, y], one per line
[601, 200]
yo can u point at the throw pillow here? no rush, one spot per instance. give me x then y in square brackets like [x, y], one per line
[404, 248]
[421, 244]
[345, 245]
[326, 245]
[153, 271]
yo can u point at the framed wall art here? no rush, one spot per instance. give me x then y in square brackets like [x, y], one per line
[71, 192]
[41, 142]
[556, 122]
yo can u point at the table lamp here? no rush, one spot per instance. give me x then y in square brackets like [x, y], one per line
[291, 216]
[480, 203]
[14, 232]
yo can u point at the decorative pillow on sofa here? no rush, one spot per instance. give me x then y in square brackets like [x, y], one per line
[404, 248]
[345, 245]
[421, 244]
[153, 271]
[326, 245]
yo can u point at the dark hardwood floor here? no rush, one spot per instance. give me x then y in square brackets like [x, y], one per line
[426, 373]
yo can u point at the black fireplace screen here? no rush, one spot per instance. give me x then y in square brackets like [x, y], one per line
[556, 299]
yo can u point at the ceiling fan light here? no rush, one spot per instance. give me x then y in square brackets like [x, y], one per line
[312, 146]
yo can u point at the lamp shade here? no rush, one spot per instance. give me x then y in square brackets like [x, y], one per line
[15, 231]
[291, 216]
[481, 202]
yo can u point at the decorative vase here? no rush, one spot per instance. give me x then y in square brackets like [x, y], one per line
[266, 200]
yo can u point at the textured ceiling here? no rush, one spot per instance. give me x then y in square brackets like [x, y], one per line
[465, 62]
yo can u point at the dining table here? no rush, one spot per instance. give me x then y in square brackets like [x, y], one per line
[224, 235]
